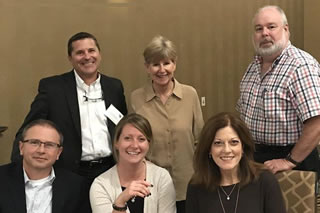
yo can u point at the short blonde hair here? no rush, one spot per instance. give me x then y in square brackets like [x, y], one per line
[158, 49]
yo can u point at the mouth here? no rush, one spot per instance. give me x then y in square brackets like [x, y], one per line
[133, 153]
[266, 42]
[39, 158]
[162, 75]
[87, 63]
[226, 158]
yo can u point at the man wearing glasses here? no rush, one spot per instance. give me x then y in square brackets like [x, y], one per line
[33, 184]
[82, 103]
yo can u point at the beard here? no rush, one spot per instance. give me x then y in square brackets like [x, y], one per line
[273, 49]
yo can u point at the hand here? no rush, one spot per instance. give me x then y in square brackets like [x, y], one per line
[135, 189]
[277, 165]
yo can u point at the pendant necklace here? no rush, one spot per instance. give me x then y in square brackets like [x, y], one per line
[228, 195]
[235, 209]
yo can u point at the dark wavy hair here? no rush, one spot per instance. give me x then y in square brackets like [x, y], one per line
[206, 171]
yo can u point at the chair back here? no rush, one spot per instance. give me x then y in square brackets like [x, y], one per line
[299, 189]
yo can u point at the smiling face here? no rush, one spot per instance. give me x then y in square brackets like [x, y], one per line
[226, 150]
[132, 145]
[161, 73]
[271, 35]
[39, 158]
[85, 59]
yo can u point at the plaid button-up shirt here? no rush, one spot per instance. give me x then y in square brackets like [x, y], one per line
[275, 105]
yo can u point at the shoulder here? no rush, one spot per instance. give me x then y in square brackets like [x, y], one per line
[267, 178]
[138, 92]
[155, 169]
[301, 57]
[68, 177]
[194, 189]
[186, 88]
[108, 178]
[58, 78]
[110, 79]
[8, 169]
[138, 97]
[157, 172]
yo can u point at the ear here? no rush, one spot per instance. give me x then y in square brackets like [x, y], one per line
[21, 148]
[59, 152]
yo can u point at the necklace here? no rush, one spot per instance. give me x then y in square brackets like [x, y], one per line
[235, 209]
[228, 195]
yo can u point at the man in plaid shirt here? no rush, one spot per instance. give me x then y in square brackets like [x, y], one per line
[280, 97]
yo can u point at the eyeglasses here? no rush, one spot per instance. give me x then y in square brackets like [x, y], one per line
[91, 99]
[37, 143]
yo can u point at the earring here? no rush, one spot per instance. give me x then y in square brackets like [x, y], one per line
[209, 156]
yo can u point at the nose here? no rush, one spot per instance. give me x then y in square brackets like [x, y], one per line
[265, 31]
[226, 147]
[161, 68]
[41, 148]
[87, 55]
[134, 143]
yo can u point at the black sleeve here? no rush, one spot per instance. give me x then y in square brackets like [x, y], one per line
[273, 196]
[191, 199]
[38, 109]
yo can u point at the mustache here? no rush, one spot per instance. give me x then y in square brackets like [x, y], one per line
[264, 41]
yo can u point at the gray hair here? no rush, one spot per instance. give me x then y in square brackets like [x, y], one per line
[283, 15]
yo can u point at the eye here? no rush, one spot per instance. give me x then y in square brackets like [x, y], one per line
[155, 65]
[234, 142]
[258, 29]
[34, 142]
[50, 145]
[142, 139]
[80, 52]
[91, 50]
[127, 138]
[218, 143]
[272, 27]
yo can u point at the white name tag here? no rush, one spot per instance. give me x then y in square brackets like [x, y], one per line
[113, 114]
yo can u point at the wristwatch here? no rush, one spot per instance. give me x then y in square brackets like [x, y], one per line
[289, 158]
[120, 209]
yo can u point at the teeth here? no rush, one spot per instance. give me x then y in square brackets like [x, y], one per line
[133, 153]
[227, 157]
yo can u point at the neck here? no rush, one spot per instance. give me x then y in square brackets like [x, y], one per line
[89, 79]
[129, 172]
[37, 174]
[163, 89]
[229, 178]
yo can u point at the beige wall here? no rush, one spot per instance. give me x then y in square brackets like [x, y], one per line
[213, 38]
[311, 27]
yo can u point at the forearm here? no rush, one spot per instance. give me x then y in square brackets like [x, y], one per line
[308, 140]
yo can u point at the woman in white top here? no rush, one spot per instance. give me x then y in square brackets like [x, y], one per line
[134, 184]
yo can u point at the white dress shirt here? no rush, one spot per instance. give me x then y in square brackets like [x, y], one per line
[96, 140]
[39, 193]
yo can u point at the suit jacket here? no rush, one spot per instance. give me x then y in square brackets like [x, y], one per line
[69, 193]
[57, 101]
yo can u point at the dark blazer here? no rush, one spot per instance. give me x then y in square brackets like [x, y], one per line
[57, 101]
[69, 193]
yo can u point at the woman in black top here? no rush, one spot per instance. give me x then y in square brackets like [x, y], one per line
[226, 179]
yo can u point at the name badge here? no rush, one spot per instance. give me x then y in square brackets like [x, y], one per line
[113, 114]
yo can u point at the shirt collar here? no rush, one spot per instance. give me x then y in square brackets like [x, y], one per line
[81, 84]
[150, 94]
[49, 179]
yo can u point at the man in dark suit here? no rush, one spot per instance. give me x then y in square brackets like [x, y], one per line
[33, 185]
[77, 102]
